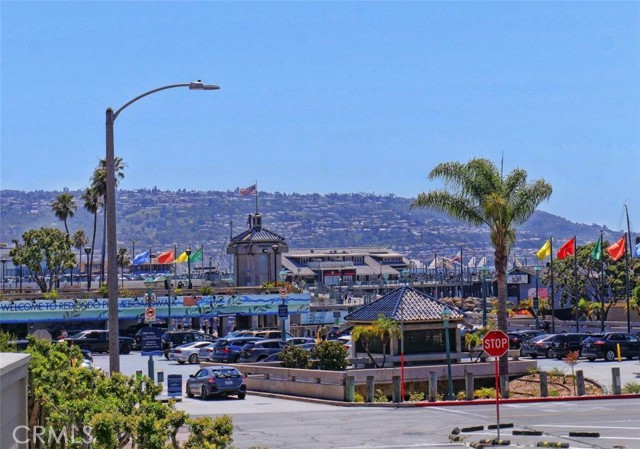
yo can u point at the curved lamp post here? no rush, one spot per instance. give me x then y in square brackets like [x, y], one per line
[110, 210]
[283, 276]
[445, 315]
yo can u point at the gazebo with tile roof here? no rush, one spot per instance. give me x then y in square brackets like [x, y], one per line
[419, 316]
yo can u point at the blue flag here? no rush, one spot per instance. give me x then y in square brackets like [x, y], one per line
[142, 258]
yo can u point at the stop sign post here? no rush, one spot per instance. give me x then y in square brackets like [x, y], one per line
[496, 344]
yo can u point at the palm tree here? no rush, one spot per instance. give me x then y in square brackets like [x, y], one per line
[99, 183]
[91, 204]
[64, 207]
[478, 193]
[79, 240]
[123, 261]
[380, 331]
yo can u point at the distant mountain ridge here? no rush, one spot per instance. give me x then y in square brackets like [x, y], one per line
[158, 219]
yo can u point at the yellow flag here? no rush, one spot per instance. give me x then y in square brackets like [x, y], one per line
[545, 251]
[182, 258]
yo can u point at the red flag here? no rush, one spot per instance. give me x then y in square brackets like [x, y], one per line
[165, 257]
[617, 250]
[249, 190]
[568, 249]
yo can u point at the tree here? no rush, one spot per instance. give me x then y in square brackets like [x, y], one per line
[79, 240]
[377, 333]
[99, 184]
[92, 205]
[64, 207]
[478, 193]
[123, 261]
[46, 252]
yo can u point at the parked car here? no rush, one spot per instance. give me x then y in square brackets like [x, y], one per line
[225, 350]
[171, 339]
[217, 380]
[263, 334]
[258, 351]
[562, 344]
[517, 337]
[98, 341]
[187, 352]
[301, 341]
[537, 346]
[606, 346]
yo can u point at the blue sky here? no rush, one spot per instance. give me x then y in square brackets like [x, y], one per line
[327, 96]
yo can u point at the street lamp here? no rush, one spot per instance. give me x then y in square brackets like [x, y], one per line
[188, 252]
[4, 263]
[283, 276]
[275, 263]
[536, 303]
[110, 210]
[483, 270]
[445, 314]
[87, 250]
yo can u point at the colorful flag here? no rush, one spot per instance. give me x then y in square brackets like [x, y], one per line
[545, 251]
[457, 257]
[196, 257]
[249, 190]
[596, 252]
[618, 249]
[568, 249]
[141, 258]
[182, 258]
[165, 257]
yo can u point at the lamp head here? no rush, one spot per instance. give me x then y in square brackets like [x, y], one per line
[199, 85]
[537, 268]
[445, 314]
[87, 249]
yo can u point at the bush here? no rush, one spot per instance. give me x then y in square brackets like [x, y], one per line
[103, 291]
[380, 397]
[295, 357]
[206, 290]
[357, 397]
[485, 393]
[53, 294]
[631, 388]
[416, 397]
[332, 356]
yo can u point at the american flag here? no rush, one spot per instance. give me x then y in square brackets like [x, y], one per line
[248, 190]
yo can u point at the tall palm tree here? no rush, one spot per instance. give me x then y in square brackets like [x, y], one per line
[478, 193]
[64, 207]
[123, 261]
[79, 240]
[99, 183]
[92, 204]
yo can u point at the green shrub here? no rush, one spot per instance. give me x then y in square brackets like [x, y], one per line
[631, 388]
[332, 356]
[103, 291]
[485, 393]
[126, 293]
[53, 294]
[533, 370]
[416, 397]
[295, 357]
[555, 372]
[206, 290]
[553, 393]
[461, 395]
[357, 397]
[380, 397]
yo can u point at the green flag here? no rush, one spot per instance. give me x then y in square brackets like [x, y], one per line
[596, 252]
[196, 257]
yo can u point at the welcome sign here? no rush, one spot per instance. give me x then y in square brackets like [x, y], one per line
[131, 308]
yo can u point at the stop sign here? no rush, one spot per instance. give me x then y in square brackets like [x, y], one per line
[495, 343]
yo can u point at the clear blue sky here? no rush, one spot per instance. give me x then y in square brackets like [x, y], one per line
[327, 96]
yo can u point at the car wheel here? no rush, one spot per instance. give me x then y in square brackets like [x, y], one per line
[193, 358]
[203, 393]
[261, 358]
[181, 362]
[534, 356]
[125, 349]
[591, 359]
[242, 395]
[546, 353]
[188, 391]
[610, 356]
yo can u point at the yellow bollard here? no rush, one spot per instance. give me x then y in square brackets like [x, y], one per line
[619, 357]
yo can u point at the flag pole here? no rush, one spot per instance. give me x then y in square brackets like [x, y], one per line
[553, 297]
[256, 197]
[202, 263]
[575, 281]
[626, 269]
[602, 286]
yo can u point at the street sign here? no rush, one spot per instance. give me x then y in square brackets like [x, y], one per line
[283, 292]
[283, 311]
[151, 341]
[495, 343]
[150, 315]
[174, 385]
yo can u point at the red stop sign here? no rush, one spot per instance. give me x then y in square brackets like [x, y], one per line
[495, 343]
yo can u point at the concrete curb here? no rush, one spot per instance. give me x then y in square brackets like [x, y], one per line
[441, 403]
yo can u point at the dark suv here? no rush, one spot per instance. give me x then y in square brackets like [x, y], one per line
[562, 344]
[516, 338]
[171, 339]
[258, 351]
[606, 346]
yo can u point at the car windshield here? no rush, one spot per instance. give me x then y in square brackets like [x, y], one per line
[226, 372]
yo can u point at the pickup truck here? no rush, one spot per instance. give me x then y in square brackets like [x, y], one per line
[98, 341]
